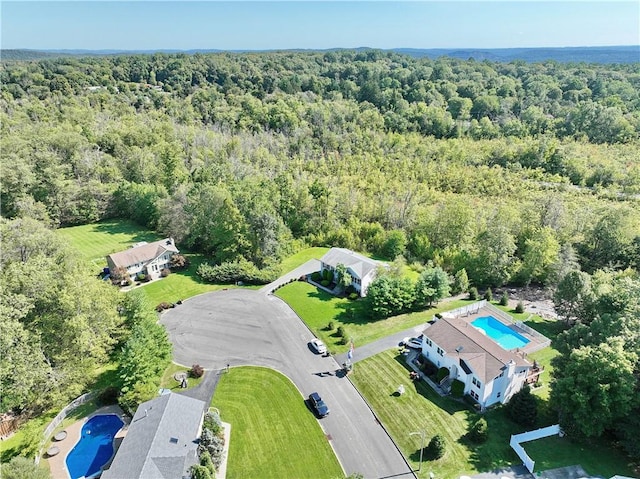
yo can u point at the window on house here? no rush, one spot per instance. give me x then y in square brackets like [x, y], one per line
[476, 382]
[428, 341]
[499, 394]
[440, 352]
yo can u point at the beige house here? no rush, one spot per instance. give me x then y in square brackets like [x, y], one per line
[146, 258]
[490, 373]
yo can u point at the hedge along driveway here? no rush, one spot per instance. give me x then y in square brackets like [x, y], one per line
[317, 308]
[273, 434]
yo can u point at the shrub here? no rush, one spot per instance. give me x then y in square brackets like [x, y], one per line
[178, 262]
[330, 326]
[327, 275]
[460, 282]
[341, 332]
[457, 388]
[325, 282]
[344, 340]
[165, 272]
[520, 307]
[479, 432]
[141, 277]
[442, 373]
[353, 296]
[212, 443]
[316, 276]
[428, 367]
[435, 449]
[196, 371]
[504, 300]
[473, 293]
[488, 295]
[232, 272]
[350, 289]
[212, 422]
[162, 306]
[522, 408]
[199, 471]
[206, 461]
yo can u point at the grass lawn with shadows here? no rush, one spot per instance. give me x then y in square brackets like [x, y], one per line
[97, 240]
[301, 257]
[273, 433]
[168, 381]
[317, 308]
[421, 408]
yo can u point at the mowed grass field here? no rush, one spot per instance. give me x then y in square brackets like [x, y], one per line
[96, 241]
[273, 434]
[421, 408]
[317, 308]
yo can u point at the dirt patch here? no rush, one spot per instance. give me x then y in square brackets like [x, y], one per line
[536, 300]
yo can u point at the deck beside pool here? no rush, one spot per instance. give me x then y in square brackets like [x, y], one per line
[57, 463]
[536, 340]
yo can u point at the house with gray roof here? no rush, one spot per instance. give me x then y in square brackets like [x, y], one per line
[362, 269]
[490, 373]
[146, 258]
[162, 440]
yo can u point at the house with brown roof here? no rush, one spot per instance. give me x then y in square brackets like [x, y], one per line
[490, 373]
[146, 258]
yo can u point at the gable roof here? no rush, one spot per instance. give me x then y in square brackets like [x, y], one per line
[360, 265]
[143, 253]
[161, 442]
[478, 352]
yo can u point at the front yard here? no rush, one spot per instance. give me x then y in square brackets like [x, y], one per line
[421, 408]
[273, 434]
[317, 308]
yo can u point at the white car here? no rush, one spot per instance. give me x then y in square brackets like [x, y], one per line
[415, 343]
[318, 346]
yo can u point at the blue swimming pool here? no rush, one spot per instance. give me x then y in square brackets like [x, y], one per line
[500, 333]
[95, 447]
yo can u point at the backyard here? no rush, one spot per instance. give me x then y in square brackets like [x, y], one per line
[273, 433]
[420, 408]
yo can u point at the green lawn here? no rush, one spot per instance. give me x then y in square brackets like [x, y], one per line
[168, 381]
[97, 240]
[301, 257]
[273, 433]
[317, 308]
[420, 408]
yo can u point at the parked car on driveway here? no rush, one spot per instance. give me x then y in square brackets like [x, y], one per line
[415, 343]
[318, 346]
[318, 405]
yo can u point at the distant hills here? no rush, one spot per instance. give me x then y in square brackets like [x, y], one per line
[609, 54]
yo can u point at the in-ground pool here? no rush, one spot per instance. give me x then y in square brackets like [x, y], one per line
[500, 333]
[95, 447]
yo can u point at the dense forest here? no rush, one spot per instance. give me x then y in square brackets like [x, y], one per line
[517, 173]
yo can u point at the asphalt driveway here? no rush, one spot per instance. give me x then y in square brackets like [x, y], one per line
[248, 327]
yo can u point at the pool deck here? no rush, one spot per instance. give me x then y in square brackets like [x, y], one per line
[57, 465]
[534, 343]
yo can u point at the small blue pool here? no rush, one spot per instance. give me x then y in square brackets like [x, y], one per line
[500, 333]
[95, 447]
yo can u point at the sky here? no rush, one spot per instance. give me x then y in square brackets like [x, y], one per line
[265, 25]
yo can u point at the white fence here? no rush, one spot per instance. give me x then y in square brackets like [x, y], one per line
[517, 439]
[498, 313]
[543, 340]
[472, 308]
[61, 416]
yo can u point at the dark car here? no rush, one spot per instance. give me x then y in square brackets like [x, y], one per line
[318, 405]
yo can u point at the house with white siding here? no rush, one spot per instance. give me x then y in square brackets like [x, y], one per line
[362, 269]
[490, 374]
[146, 258]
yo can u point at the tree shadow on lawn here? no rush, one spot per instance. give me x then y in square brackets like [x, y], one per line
[119, 226]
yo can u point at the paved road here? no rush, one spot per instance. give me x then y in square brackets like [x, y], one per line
[248, 327]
